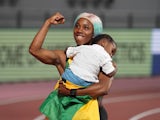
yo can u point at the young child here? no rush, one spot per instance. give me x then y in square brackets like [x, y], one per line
[88, 60]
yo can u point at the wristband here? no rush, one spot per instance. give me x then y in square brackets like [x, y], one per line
[73, 92]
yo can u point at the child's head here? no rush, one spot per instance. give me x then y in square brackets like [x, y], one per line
[107, 42]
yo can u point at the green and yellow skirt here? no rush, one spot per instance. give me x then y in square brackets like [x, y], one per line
[58, 107]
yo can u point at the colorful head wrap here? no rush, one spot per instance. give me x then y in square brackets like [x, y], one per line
[94, 19]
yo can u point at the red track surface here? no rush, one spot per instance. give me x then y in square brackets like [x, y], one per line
[128, 99]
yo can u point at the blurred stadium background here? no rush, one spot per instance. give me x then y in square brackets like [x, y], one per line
[134, 24]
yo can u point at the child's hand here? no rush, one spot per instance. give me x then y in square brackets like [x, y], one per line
[62, 89]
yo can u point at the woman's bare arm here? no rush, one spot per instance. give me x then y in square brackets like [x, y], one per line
[52, 57]
[95, 90]
[44, 55]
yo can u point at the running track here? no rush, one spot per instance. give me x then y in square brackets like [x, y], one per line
[128, 99]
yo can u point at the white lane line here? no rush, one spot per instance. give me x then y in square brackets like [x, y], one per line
[146, 113]
[21, 99]
[130, 98]
[41, 117]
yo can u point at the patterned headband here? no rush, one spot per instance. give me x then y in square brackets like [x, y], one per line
[95, 20]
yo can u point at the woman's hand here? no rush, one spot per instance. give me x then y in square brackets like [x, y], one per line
[62, 89]
[56, 19]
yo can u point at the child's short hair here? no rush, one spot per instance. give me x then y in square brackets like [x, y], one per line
[102, 36]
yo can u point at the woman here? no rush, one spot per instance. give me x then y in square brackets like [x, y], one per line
[84, 30]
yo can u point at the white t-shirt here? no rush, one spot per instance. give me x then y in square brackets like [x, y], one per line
[87, 60]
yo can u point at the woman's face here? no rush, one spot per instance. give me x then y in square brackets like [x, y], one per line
[83, 31]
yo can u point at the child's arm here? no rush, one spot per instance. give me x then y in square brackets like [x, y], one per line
[110, 69]
[111, 74]
[72, 51]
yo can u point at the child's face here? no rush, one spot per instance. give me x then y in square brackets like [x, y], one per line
[110, 48]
